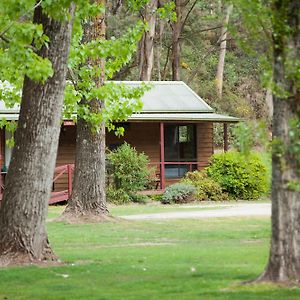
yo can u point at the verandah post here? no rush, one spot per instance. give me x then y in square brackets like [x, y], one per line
[162, 157]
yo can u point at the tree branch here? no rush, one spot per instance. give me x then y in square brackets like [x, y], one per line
[211, 28]
[188, 13]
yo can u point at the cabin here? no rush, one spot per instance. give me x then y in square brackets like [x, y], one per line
[174, 129]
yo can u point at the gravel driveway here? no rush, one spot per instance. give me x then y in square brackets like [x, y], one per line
[219, 211]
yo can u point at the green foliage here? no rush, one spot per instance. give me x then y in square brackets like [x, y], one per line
[138, 198]
[120, 100]
[268, 27]
[11, 127]
[178, 193]
[294, 135]
[167, 11]
[20, 39]
[244, 137]
[249, 134]
[241, 176]
[117, 196]
[206, 188]
[129, 169]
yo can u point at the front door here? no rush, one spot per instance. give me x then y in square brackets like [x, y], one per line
[180, 146]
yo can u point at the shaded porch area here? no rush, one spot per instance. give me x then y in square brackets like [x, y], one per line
[173, 148]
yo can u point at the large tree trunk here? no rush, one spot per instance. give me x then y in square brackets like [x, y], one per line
[23, 236]
[176, 32]
[146, 45]
[284, 260]
[223, 44]
[88, 200]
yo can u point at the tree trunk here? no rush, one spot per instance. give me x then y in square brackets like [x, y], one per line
[88, 193]
[23, 236]
[222, 40]
[146, 47]
[88, 200]
[159, 47]
[284, 260]
[176, 51]
[269, 102]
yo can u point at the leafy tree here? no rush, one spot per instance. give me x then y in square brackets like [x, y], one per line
[23, 210]
[277, 21]
[93, 60]
[88, 194]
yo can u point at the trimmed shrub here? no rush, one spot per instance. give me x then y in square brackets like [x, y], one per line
[207, 189]
[178, 193]
[242, 177]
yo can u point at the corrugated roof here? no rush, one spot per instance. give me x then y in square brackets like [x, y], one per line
[171, 96]
[212, 117]
[167, 100]
[4, 109]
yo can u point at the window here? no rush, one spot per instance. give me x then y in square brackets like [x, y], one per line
[180, 146]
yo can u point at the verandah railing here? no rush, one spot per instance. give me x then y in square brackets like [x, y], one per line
[161, 169]
[56, 196]
[67, 170]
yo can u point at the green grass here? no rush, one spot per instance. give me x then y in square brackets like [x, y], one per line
[170, 259]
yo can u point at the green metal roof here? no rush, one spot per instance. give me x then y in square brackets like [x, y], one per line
[171, 96]
[208, 117]
[167, 100]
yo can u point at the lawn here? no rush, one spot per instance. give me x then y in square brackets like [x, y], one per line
[182, 259]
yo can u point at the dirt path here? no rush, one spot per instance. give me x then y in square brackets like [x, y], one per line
[231, 210]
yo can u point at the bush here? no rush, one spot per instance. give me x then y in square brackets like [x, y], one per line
[242, 177]
[206, 188]
[128, 169]
[178, 193]
[137, 198]
[117, 196]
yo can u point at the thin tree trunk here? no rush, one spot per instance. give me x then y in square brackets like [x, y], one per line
[166, 68]
[146, 49]
[88, 198]
[176, 51]
[159, 47]
[269, 102]
[23, 236]
[221, 64]
[284, 260]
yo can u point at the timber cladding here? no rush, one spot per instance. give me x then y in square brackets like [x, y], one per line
[145, 137]
[65, 154]
[205, 145]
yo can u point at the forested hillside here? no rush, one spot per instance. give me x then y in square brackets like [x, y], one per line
[187, 39]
